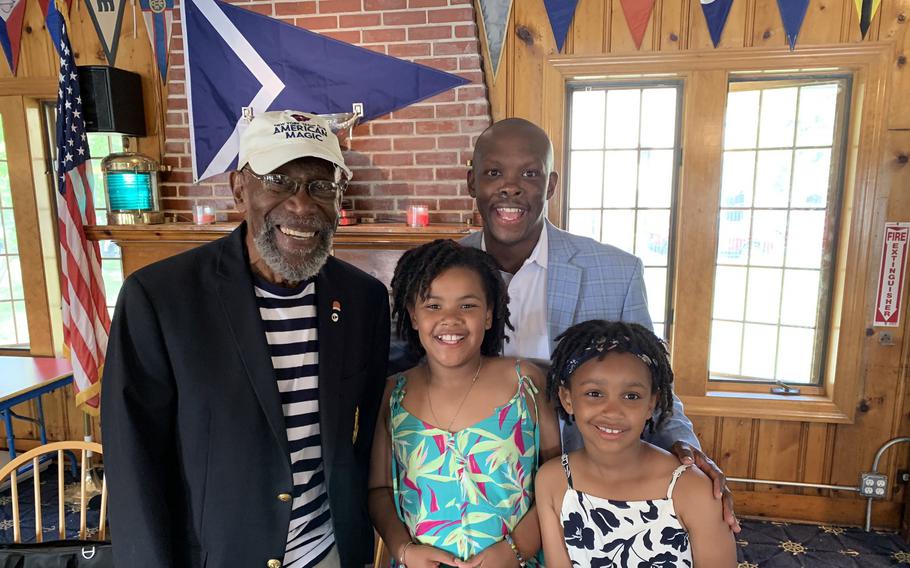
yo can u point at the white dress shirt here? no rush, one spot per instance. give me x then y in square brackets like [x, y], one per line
[528, 305]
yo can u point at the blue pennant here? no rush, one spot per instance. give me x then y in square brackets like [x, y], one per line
[236, 58]
[716, 12]
[560, 13]
[792, 12]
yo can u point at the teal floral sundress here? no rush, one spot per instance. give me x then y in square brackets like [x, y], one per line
[462, 491]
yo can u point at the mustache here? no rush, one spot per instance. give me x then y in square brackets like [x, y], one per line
[304, 224]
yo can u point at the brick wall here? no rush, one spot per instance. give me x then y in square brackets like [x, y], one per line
[417, 154]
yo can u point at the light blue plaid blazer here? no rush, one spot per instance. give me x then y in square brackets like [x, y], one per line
[589, 280]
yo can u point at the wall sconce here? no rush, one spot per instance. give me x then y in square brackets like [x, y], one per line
[131, 182]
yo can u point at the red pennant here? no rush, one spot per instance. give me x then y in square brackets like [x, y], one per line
[638, 14]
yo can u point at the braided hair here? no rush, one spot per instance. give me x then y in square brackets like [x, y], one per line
[419, 267]
[618, 337]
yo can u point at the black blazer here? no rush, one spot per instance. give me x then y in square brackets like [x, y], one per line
[195, 446]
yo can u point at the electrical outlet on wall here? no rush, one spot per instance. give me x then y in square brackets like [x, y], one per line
[874, 485]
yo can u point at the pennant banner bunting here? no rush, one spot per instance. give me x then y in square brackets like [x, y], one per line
[107, 15]
[716, 12]
[11, 14]
[792, 12]
[866, 10]
[85, 318]
[495, 16]
[159, 17]
[560, 13]
[638, 14]
[238, 59]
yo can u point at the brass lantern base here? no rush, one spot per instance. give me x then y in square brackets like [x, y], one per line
[135, 218]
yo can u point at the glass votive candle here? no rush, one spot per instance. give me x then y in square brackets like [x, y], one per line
[418, 216]
[203, 214]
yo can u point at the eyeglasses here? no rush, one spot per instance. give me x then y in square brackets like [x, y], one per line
[286, 186]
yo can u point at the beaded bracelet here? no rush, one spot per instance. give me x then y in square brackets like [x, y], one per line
[511, 541]
[404, 550]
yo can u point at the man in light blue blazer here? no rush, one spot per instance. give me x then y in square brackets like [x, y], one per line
[557, 279]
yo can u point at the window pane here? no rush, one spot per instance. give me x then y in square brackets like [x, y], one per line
[726, 345]
[772, 238]
[763, 298]
[585, 223]
[13, 320]
[741, 120]
[619, 230]
[804, 244]
[778, 118]
[759, 345]
[799, 301]
[620, 178]
[794, 354]
[655, 178]
[658, 119]
[15, 273]
[8, 219]
[772, 180]
[729, 292]
[588, 119]
[7, 325]
[811, 173]
[6, 195]
[6, 287]
[656, 286]
[21, 323]
[622, 118]
[112, 272]
[769, 231]
[738, 177]
[733, 236]
[587, 179]
[650, 225]
[817, 110]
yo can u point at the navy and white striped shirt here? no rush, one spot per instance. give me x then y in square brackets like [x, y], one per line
[289, 319]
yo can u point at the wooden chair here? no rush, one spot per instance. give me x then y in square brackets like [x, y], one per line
[34, 456]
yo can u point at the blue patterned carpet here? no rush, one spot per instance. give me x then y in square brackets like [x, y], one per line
[773, 544]
[49, 510]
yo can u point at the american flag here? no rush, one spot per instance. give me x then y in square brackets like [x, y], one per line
[85, 318]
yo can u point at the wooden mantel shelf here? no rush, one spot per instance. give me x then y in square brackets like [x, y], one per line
[373, 235]
[373, 247]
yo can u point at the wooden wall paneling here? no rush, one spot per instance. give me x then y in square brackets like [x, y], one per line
[736, 447]
[589, 34]
[673, 19]
[699, 190]
[37, 57]
[895, 23]
[824, 22]
[780, 453]
[705, 428]
[532, 40]
[767, 26]
[815, 463]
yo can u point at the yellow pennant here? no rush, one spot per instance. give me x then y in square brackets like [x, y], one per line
[866, 10]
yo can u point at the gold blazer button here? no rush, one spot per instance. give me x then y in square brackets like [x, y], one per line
[284, 497]
[273, 563]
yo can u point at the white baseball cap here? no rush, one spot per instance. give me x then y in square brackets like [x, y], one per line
[275, 138]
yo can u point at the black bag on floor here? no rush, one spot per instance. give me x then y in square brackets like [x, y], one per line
[58, 554]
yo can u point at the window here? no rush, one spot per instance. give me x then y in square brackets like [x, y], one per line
[101, 145]
[13, 317]
[777, 228]
[771, 218]
[623, 152]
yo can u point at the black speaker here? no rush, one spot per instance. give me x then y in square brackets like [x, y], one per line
[111, 100]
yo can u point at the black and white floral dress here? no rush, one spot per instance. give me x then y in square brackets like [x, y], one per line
[623, 534]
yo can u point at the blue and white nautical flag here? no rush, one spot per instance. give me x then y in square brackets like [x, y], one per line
[236, 59]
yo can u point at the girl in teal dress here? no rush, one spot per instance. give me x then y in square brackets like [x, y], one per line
[459, 437]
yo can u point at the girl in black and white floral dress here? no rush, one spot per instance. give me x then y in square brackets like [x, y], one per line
[619, 501]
